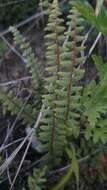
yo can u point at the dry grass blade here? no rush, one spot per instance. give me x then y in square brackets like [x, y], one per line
[12, 48]
[30, 141]
[23, 158]
[14, 123]
[12, 156]
[84, 159]
[99, 4]
[10, 144]
[15, 81]
[11, 3]
[22, 23]
[94, 44]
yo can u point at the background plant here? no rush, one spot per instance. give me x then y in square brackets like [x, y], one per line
[26, 8]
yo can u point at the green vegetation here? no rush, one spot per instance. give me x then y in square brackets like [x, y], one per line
[13, 13]
[73, 123]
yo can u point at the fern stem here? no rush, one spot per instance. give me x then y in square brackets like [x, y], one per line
[69, 91]
[58, 59]
[56, 97]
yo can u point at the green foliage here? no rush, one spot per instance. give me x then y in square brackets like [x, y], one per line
[51, 134]
[45, 6]
[98, 98]
[19, 11]
[72, 111]
[74, 169]
[63, 93]
[100, 65]
[80, 106]
[95, 98]
[37, 180]
[65, 7]
[99, 4]
[14, 105]
[88, 12]
[31, 62]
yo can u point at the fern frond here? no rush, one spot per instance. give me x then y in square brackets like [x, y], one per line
[100, 66]
[37, 180]
[62, 101]
[94, 101]
[45, 5]
[14, 105]
[98, 133]
[32, 62]
[53, 128]
[72, 72]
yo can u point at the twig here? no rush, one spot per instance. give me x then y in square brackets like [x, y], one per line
[85, 39]
[30, 28]
[26, 21]
[34, 163]
[10, 144]
[39, 117]
[21, 163]
[24, 170]
[94, 44]
[12, 156]
[11, 3]
[8, 171]
[67, 37]
[15, 81]
[14, 123]
[13, 49]
[64, 169]
[30, 141]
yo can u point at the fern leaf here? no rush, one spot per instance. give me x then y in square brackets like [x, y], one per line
[32, 62]
[37, 180]
[15, 105]
[53, 129]
[62, 101]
